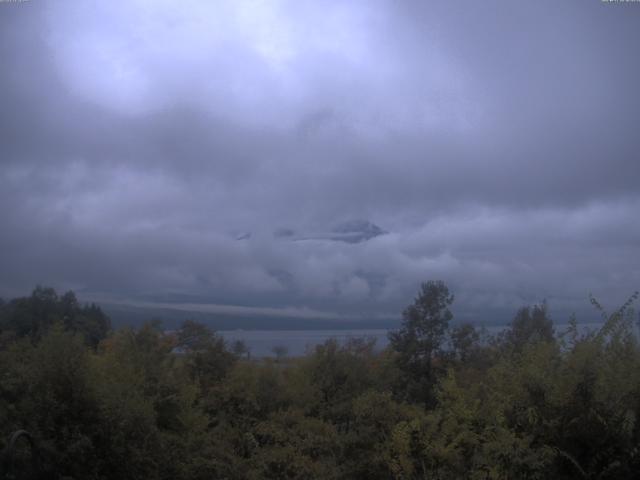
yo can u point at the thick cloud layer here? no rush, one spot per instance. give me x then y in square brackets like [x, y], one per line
[213, 152]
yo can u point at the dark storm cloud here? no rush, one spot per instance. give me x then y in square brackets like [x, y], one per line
[496, 142]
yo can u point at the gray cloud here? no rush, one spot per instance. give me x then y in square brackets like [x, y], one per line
[495, 142]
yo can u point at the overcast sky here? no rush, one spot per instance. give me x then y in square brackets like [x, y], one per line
[209, 152]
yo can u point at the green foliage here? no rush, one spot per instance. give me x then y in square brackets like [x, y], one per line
[206, 356]
[291, 445]
[338, 374]
[33, 316]
[146, 404]
[46, 389]
[419, 340]
[465, 341]
[530, 325]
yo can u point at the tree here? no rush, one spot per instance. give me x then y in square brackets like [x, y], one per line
[530, 325]
[419, 340]
[207, 358]
[240, 349]
[194, 336]
[280, 351]
[46, 390]
[464, 339]
[33, 316]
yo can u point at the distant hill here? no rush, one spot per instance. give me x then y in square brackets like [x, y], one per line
[123, 315]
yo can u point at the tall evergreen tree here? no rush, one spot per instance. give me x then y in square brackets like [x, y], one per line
[419, 340]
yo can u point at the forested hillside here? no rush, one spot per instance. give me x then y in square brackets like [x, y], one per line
[440, 402]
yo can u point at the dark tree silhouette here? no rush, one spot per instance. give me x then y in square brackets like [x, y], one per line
[420, 338]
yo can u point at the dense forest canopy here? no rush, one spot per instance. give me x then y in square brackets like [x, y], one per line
[442, 401]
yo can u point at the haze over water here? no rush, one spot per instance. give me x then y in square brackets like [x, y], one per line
[261, 343]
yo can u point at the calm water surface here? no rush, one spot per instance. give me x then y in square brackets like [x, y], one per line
[298, 342]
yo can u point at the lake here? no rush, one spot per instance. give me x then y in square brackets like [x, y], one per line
[262, 342]
[297, 342]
